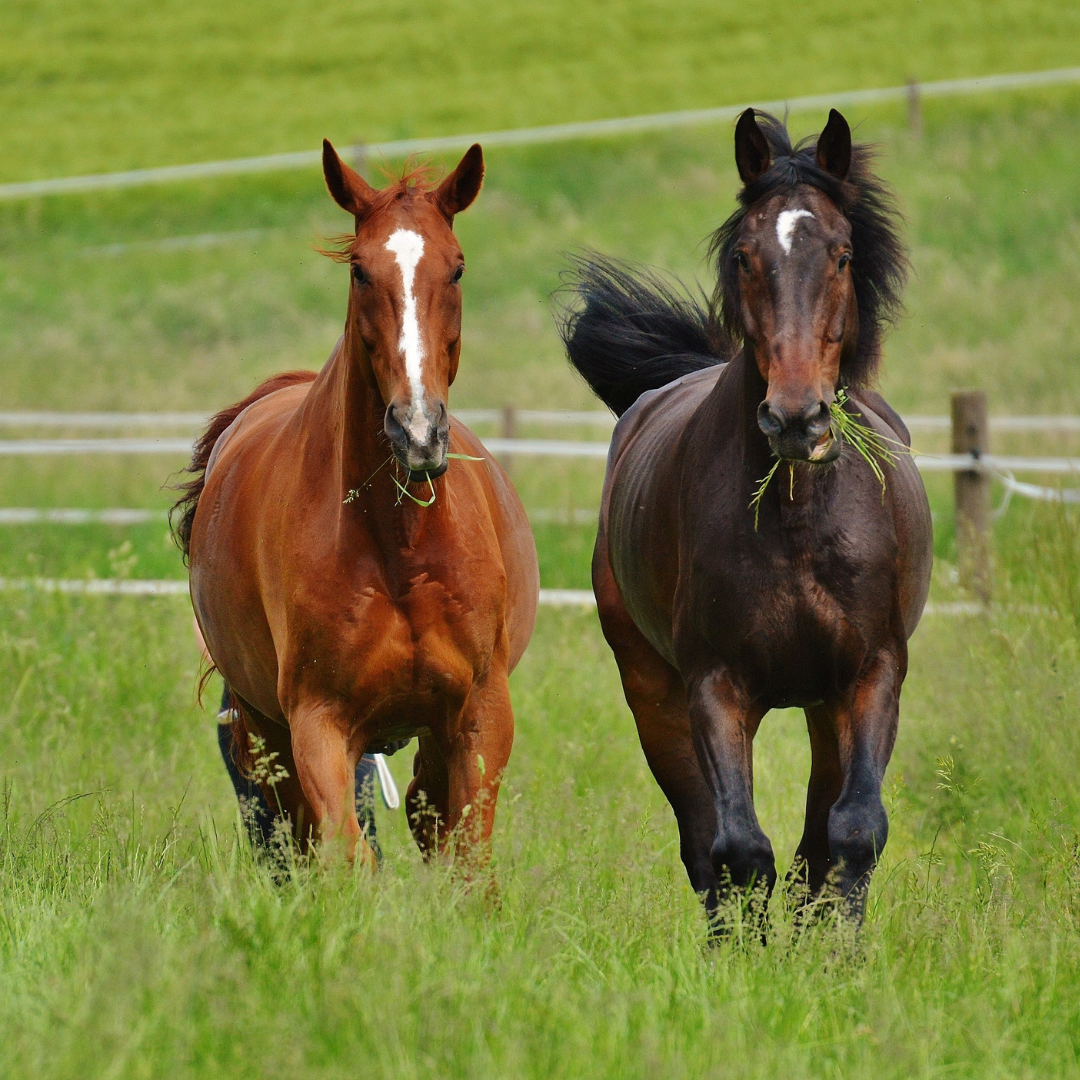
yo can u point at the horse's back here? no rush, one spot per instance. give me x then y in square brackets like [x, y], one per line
[258, 422]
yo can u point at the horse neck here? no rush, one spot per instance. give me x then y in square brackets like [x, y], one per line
[732, 410]
[344, 416]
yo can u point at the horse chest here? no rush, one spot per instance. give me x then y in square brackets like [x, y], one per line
[420, 644]
[782, 616]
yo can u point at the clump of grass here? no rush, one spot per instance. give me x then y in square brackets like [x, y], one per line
[875, 449]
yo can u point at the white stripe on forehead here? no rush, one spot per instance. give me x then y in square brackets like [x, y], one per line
[407, 248]
[785, 226]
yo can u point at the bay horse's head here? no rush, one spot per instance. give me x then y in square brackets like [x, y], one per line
[810, 270]
[405, 297]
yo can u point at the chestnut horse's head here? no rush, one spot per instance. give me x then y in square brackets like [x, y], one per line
[405, 299]
[810, 269]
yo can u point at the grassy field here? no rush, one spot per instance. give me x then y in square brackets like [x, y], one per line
[182, 296]
[139, 940]
[101, 85]
[137, 936]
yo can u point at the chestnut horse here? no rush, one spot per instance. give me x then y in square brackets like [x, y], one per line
[344, 608]
[718, 611]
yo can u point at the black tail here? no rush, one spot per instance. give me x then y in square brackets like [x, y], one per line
[633, 331]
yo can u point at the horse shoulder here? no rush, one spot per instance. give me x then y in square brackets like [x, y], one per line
[873, 402]
[497, 500]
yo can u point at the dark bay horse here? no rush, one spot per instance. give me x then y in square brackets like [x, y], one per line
[718, 612]
[344, 608]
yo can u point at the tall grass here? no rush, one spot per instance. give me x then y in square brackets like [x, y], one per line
[138, 937]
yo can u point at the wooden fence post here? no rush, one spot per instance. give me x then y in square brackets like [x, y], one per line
[508, 431]
[970, 435]
[914, 108]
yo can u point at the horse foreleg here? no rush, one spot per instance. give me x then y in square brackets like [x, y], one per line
[456, 777]
[325, 766]
[813, 860]
[476, 754]
[865, 723]
[723, 722]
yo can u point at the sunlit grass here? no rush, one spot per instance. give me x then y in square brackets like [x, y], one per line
[139, 935]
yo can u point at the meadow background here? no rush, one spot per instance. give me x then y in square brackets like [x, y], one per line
[137, 936]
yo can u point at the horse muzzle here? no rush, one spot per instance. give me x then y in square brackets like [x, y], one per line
[419, 438]
[805, 435]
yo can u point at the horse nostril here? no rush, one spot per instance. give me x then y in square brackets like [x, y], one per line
[769, 421]
[816, 419]
[393, 427]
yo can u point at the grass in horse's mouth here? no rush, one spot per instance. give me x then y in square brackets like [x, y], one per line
[875, 449]
[403, 488]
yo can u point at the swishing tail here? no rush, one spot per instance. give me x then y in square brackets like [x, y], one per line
[628, 330]
[182, 514]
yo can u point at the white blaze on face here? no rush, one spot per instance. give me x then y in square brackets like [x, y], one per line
[785, 226]
[407, 248]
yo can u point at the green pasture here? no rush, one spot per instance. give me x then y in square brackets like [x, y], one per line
[138, 938]
[182, 296]
[102, 85]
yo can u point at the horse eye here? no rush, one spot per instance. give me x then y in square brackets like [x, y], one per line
[358, 275]
[841, 266]
[457, 275]
[743, 260]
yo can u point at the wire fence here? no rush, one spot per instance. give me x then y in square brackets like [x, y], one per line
[550, 133]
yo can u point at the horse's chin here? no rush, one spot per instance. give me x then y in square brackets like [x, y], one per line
[826, 449]
[418, 476]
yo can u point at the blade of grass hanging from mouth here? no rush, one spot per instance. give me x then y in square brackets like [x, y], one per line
[755, 502]
[403, 490]
[874, 448]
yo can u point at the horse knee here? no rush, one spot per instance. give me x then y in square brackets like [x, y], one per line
[747, 860]
[857, 836]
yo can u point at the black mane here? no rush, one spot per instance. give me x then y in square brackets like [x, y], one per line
[879, 266]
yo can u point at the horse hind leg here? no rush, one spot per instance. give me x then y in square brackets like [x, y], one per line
[655, 693]
[427, 802]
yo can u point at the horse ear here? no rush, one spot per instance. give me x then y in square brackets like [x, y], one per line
[834, 147]
[751, 148]
[350, 190]
[458, 190]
